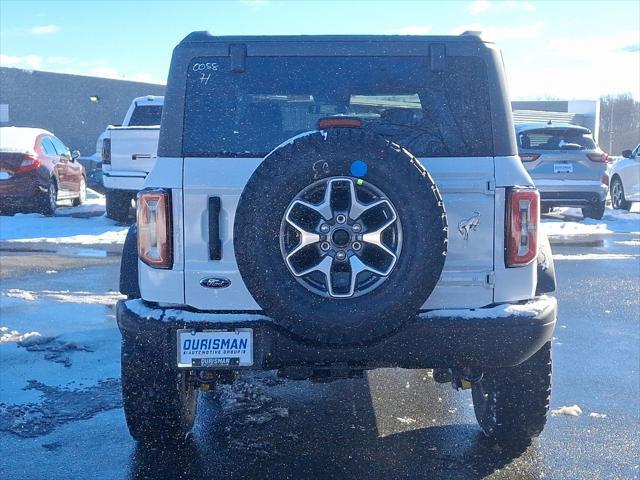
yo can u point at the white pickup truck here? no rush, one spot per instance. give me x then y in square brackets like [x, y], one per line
[128, 153]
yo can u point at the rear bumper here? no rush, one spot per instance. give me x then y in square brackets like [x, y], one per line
[25, 187]
[504, 335]
[571, 193]
[123, 180]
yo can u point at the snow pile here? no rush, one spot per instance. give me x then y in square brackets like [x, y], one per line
[564, 222]
[35, 228]
[15, 297]
[21, 294]
[67, 296]
[7, 335]
[598, 415]
[529, 309]
[572, 411]
[63, 227]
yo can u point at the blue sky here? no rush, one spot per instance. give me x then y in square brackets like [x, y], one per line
[565, 49]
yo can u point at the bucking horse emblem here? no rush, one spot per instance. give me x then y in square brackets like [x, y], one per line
[470, 224]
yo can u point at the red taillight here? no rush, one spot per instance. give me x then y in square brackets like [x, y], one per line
[106, 151]
[605, 179]
[28, 164]
[523, 216]
[339, 122]
[154, 228]
[598, 157]
[529, 157]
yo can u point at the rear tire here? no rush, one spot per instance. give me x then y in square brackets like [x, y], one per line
[595, 211]
[49, 200]
[511, 403]
[158, 406]
[82, 194]
[617, 195]
[117, 205]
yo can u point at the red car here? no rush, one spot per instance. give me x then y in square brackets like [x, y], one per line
[37, 170]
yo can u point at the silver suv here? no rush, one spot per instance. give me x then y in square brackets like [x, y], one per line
[322, 206]
[566, 165]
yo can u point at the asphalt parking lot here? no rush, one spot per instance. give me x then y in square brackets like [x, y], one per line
[61, 416]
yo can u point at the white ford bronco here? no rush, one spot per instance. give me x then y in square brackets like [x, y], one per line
[128, 152]
[326, 205]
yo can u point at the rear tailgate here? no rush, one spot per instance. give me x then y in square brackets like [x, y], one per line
[133, 149]
[468, 189]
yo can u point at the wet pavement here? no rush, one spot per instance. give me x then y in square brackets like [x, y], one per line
[61, 416]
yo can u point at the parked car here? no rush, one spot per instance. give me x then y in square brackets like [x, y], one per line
[37, 170]
[625, 180]
[322, 206]
[128, 152]
[566, 165]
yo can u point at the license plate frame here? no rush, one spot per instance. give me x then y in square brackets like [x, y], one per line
[208, 354]
[563, 168]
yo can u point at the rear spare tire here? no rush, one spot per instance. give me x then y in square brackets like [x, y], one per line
[340, 236]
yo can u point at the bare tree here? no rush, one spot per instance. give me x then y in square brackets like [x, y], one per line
[619, 123]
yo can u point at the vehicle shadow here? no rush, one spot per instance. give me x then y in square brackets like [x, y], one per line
[332, 431]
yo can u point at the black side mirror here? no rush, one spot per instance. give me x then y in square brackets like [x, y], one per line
[75, 154]
[626, 153]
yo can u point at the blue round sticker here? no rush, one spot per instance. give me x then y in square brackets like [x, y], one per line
[359, 168]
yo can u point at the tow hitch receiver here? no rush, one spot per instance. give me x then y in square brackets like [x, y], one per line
[461, 379]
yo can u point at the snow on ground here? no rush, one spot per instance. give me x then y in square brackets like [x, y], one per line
[7, 335]
[84, 225]
[15, 297]
[565, 222]
[572, 411]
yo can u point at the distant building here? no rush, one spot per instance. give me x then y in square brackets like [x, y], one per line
[579, 112]
[75, 108]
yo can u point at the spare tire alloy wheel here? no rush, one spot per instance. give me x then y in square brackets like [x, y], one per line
[341, 252]
[340, 236]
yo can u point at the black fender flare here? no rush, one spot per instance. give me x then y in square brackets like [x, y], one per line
[546, 269]
[129, 285]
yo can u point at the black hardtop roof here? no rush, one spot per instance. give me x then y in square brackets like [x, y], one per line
[436, 47]
[207, 37]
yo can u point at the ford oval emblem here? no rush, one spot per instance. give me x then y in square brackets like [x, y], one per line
[215, 282]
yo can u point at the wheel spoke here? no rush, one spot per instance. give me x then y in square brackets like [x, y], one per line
[356, 209]
[306, 237]
[357, 267]
[375, 238]
[324, 267]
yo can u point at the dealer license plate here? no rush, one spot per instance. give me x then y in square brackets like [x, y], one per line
[563, 168]
[215, 348]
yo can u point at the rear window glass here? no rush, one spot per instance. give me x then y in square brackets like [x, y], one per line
[47, 146]
[556, 139]
[146, 115]
[248, 114]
